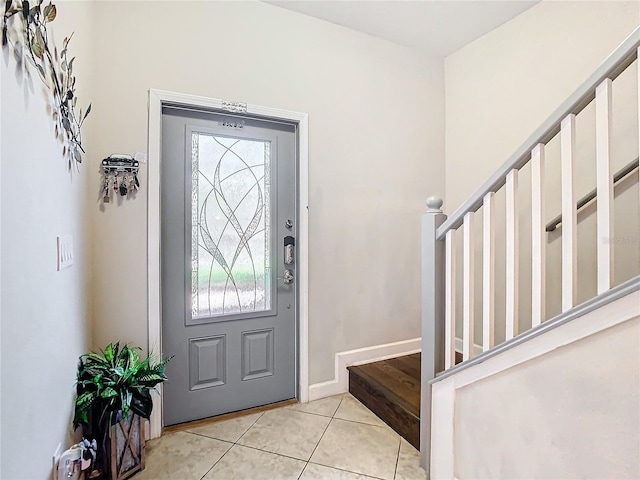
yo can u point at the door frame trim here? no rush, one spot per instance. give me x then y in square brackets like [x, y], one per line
[158, 98]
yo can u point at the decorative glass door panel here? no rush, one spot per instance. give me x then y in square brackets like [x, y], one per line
[231, 272]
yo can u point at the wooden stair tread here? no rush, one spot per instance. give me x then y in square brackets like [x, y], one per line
[391, 389]
[395, 384]
[409, 364]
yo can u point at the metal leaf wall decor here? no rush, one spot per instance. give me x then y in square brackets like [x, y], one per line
[25, 30]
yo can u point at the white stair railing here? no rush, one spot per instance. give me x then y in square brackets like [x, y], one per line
[439, 289]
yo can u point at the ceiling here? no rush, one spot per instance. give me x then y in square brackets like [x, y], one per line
[438, 27]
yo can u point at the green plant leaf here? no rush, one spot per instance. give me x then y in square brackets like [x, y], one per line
[141, 403]
[37, 44]
[95, 357]
[85, 399]
[151, 379]
[109, 351]
[108, 392]
[50, 13]
[34, 12]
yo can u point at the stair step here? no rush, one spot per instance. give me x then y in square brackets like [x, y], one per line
[391, 389]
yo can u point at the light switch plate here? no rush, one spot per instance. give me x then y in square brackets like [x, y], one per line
[65, 251]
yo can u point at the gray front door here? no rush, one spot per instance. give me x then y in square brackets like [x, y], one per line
[228, 192]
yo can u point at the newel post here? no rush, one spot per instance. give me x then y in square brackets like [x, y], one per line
[433, 282]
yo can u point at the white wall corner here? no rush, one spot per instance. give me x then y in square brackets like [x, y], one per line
[340, 382]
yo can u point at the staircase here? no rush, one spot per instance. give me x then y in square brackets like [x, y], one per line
[391, 389]
[515, 335]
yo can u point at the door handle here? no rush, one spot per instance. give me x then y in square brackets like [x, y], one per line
[288, 276]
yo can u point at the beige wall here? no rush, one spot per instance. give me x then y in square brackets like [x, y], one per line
[499, 89]
[376, 152]
[45, 313]
[572, 413]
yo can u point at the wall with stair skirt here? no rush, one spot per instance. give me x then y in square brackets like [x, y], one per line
[572, 413]
[499, 89]
[564, 404]
[376, 152]
[45, 313]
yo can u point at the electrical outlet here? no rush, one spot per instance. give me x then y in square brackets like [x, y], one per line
[56, 460]
[65, 251]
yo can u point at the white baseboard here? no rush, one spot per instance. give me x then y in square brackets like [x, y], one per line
[340, 382]
[477, 349]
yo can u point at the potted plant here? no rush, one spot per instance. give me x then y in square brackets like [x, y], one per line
[113, 396]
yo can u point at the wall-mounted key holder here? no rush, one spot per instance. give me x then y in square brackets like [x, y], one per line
[120, 174]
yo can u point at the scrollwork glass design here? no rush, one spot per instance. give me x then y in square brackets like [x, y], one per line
[230, 225]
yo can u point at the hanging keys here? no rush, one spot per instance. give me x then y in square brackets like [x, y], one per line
[123, 186]
[133, 185]
[106, 198]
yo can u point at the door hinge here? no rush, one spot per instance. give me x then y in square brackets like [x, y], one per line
[235, 107]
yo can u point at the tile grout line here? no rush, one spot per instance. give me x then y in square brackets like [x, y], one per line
[360, 423]
[250, 427]
[310, 413]
[321, 437]
[216, 462]
[229, 449]
[364, 423]
[223, 440]
[345, 470]
[271, 453]
[210, 438]
[303, 469]
[395, 472]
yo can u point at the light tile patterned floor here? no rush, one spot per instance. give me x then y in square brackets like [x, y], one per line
[334, 438]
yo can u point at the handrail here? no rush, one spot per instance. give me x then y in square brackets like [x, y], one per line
[614, 65]
[622, 173]
[599, 301]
